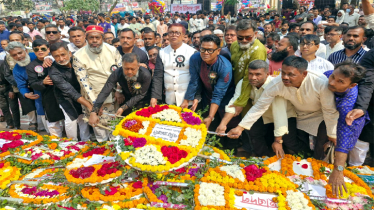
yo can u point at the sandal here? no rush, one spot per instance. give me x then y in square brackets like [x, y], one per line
[10, 127]
[33, 126]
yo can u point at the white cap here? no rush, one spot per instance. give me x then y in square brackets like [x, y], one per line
[218, 31]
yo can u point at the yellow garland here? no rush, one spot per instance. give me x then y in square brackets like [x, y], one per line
[8, 174]
[94, 194]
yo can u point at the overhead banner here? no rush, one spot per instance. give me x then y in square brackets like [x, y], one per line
[183, 8]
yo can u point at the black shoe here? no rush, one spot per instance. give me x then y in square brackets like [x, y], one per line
[2, 118]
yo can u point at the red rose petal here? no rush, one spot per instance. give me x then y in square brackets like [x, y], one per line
[304, 166]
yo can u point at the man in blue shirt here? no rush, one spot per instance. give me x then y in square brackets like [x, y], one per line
[4, 34]
[343, 82]
[211, 79]
[103, 23]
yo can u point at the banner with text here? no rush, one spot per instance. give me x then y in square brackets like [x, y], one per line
[183, 8]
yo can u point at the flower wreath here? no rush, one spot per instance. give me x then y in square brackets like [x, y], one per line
[147, 153]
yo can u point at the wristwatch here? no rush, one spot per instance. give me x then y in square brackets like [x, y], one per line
[279, 141]
[119, 90]
[339, 168]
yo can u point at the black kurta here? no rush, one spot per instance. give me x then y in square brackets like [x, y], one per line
[131, 99]
[67, 89]
[51, 107]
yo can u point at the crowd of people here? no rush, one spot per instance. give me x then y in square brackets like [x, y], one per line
[298, 83]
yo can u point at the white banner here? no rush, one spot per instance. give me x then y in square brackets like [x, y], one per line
[183, 8]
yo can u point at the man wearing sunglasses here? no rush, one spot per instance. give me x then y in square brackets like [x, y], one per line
[39, 80]
[247, 49]
[52, 34]
[211, 80]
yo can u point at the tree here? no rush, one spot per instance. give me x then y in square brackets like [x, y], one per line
[227, 2]
[85, 5]
[15, 5]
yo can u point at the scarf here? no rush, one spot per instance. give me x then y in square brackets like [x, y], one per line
[340, 19]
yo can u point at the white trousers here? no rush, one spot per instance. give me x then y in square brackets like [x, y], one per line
[71, 127]
[358, 154]
[32, 117]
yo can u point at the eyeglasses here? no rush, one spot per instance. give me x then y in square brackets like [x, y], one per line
[307, 44]
[42, 49]
[210, 51]
[248, 38]
[174, 33]
[50, 32]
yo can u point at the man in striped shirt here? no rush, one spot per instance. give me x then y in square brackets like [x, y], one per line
[352, 40]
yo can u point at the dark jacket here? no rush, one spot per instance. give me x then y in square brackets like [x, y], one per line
[131, 99]
[3, 81]
[142, 55]
[67, 89]
[158, 76]
[51, 107]
[366, 85]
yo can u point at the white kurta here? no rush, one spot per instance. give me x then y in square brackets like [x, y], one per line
[320, 65]
[313, 103]
[176, 77]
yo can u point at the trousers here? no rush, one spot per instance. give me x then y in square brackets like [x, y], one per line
[10, 108]
[71, 127]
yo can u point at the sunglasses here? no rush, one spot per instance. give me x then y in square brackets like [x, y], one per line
[42, 49]
[50, 32]
[248, 38]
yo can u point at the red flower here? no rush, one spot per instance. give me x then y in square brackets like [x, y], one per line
[10, 136]
[1, 165]
[174, 154]
[304, 166]
[113, 191]
[147, 112]
[82, 173]
[96, 151]
[108, 168]
[252, 172]
[137, 185]
[12, 144]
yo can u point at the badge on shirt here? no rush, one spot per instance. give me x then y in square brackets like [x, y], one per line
[137, 88]
[114, 67]
[180, 60]
[39, 70]
[212, 77]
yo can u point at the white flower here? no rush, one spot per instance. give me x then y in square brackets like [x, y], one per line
[193, 137]
[168, 115]
[145, 127]
[216, 155]
[211, 194]
[234, 171]
[149, 155]
[365, 170]
[297, 201]
[77, 163]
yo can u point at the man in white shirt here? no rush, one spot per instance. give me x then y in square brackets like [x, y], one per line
[309, 45]
[64, 30]
[334, 39]
[280, 118]
[193, 23]
[122, 24]
[308, 92]
[148, 23]
[351, 18]
[200, 22]
[77, 38]
[176, 59]
[311, 28]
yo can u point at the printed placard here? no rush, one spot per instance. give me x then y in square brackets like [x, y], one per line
[166, 132]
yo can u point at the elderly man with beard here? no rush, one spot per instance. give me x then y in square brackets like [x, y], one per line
[134, 80]
[247, 49]
[93, 64]
[353, 40]
[314, 105]
[285, 47]
[67, 92]
[40, 81]
[22, 58]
